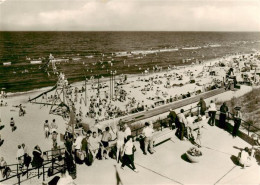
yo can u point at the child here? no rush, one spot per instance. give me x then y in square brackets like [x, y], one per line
[46, 128]
[21, 110]
[12, 124]
[53, 126]
[198, 139]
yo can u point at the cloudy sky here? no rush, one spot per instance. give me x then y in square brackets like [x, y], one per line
[130, 15]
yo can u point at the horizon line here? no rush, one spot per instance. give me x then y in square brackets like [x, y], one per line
[118, 31]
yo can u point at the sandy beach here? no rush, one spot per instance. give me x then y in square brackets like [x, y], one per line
[30, 127]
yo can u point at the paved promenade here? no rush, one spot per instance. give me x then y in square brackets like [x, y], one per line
[168, 165]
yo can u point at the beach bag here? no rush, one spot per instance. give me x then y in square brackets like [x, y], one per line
[80, 155]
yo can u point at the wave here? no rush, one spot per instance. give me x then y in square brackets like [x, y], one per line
[189, 48]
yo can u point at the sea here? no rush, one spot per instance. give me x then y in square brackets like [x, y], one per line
[92, 55]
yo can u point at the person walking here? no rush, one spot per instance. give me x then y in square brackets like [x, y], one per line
[148, 138]
[199, 134]
[46, 128]
[223, 115]
[53, 126]
[237, 121]
[120, 142]
[128, 152]
[202, 106]
[12, 124]
[212, 113]
[190, 119]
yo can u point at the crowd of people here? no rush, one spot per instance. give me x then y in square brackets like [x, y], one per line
[185, 123]
[117, 143]
[97, 144]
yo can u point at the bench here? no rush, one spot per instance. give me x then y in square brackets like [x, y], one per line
[162, 136]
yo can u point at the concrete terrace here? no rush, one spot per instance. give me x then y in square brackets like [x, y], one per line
[168, 165]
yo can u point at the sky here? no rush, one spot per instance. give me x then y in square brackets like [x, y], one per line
[130, 15]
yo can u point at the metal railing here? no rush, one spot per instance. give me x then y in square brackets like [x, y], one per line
[230, 116]
[49, 163]
[160, 122]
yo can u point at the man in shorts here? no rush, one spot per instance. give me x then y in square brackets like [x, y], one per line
[106, 137]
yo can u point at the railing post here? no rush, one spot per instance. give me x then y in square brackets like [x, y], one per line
[43, 172]
[27, 172]
[52, 164]
[19, 180]
[17, 169]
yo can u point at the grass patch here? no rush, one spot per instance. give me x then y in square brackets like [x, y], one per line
[250, 108]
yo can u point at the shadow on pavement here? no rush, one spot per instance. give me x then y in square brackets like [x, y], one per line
[185, 158]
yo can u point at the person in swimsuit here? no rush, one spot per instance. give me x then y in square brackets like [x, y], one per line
[106, 137]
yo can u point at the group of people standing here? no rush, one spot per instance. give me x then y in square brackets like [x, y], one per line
[98, 144]
[224, 114]
[184, 122]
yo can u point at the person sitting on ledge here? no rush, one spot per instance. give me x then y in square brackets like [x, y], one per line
[245, 160]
